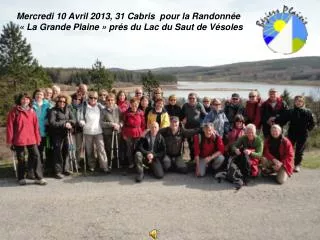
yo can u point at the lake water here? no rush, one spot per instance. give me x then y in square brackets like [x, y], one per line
[225, 89]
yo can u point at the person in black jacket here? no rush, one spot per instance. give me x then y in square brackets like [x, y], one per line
[174, 137]
[151, 150]
[301, 122]
[270, 110]
[61, 120]
[172, 107]
[233, 108]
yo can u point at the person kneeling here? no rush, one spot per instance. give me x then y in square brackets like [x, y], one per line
[278, 155]
[150, 152]
[208, 149]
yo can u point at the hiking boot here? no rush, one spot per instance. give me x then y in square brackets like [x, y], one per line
[68, 173]
[41, 181]
[22, 182]
[297, 168]
[91, 169]
[131, 166]
[139, 177]
[59, 176]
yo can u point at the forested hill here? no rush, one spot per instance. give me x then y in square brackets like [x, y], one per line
[295, 70]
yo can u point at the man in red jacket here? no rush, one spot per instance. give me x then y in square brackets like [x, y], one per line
[23, 131]
[208, 150]
[278, 155]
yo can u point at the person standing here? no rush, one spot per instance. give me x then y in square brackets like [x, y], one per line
[158, 114]
[90, 119]
[133, 128]
[270, 110]
[172, 107]
[111, 124]
[252, 112]
[61, 121]
[192, 114]
[232, 108]
[23, 132]
[301, 122]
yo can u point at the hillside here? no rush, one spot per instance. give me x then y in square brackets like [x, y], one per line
[302, 70]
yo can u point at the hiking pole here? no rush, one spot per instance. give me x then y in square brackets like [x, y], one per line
[112, 150]
[117, 150]
[14, 163]
[69, 150]
[73, 154]
[84, 155]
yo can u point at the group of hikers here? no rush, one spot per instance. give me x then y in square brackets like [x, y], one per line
[150, 134]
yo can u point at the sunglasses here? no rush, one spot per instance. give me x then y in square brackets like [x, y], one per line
[61, 101]
[138, 93]
[93, 98]
[235, 99]
[157, 93]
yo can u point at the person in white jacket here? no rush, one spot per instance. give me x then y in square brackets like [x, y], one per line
[89, 116]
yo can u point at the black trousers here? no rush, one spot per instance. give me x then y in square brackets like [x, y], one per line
[60, 154]
[299, 142]
[34, 161]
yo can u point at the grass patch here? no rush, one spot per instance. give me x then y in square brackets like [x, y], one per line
[311, 160]
[6, 169]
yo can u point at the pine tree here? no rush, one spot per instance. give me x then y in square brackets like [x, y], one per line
[286, 96]
[15, 52]
[101, 77]
[149, 83]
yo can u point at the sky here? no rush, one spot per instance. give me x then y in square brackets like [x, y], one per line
[151, 49]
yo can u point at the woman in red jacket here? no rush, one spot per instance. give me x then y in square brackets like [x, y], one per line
[23, 132]
[133, 128]
[278, 155]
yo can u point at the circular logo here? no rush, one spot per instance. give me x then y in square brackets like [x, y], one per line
[285, 33]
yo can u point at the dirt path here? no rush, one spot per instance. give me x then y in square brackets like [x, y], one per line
[180, 206]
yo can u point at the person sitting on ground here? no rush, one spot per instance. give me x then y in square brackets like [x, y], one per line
[158, 114]
[111, 122]
[232, 108]
[23, 132]
[150, 152]
[248, 150]
[133, 128]
[252, 112]
[174, 137]
[218, 118]
[103, 97]
[61, 121]
[301, 123]
[122, 101]
[206, 104]
[172, 107]
[208, 150]
[192, 114]
[89, 120]
[270, 110]
[278, 155]
[237, 131]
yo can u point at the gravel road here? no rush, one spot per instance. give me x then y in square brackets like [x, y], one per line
[179, 206]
